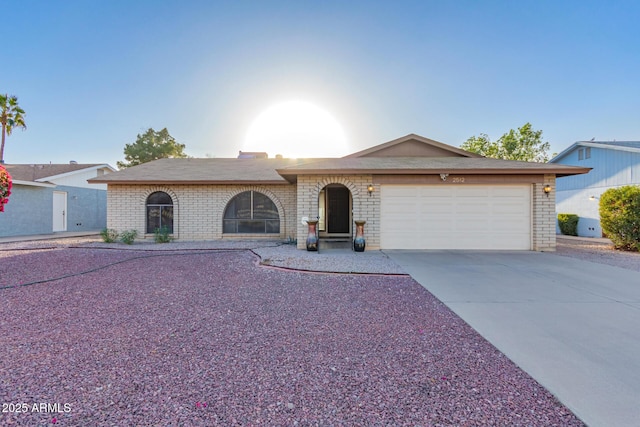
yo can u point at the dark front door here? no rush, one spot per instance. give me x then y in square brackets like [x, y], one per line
[338, 210]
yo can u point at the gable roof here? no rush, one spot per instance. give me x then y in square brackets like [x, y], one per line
[629, 146]
[413, 145]
[45, 172]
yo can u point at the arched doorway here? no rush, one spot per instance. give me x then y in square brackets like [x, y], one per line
[334, 212]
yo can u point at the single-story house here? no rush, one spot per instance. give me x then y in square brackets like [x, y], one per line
[48, 198]
[413, 193]
[614, 164]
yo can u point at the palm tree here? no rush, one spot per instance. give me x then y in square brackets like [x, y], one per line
[12, 116]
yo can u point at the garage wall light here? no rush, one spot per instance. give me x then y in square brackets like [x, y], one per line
[547, 190]
[370, 189]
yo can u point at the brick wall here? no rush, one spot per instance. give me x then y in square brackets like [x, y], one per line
[544, 215]
[197, 209]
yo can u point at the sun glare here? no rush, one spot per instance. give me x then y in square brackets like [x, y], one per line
[296, 129]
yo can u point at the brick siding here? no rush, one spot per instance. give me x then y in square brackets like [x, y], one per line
[365, 207]
[544, 216]
[197, 209]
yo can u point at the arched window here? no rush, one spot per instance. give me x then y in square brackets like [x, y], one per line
[159, 212]
[251, 212]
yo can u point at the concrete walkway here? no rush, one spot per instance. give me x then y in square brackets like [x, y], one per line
[572, 325]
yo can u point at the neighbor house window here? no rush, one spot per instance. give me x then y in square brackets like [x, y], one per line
[251, 212]
[159, 212]
[584, 153]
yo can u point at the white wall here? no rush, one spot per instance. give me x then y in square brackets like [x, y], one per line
[79, 179]
[578, 202]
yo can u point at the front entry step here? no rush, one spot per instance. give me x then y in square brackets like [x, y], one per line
[342, 243]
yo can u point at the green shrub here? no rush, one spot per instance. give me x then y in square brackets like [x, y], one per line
[620, 216]
[568, 224]
[161, 235]
[128, 236]
[109, 235]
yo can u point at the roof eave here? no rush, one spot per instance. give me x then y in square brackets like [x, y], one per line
[575, 145]
[478, 171]
[611, 147]
[185, 182]
[564, 152]
[77, 171]
[33, 183]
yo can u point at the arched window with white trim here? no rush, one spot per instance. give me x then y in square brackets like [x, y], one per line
[159, 212]
[251, 212]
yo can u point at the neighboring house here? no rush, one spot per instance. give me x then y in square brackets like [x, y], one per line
[413, 193]
[48, 198]
[613, 163]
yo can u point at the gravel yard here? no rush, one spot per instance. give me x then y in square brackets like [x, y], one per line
[595, 251]
[200, 337]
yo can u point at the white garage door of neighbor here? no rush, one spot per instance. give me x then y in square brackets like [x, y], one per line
[455, 217]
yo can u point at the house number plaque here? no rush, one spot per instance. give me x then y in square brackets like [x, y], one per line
[457, 179]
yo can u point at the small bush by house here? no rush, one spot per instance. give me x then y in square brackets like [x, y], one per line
[128, 236]
[162, 235]
[568, 224]
[109, 235]
[620, 216]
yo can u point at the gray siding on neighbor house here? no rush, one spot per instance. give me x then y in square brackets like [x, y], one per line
[611, 168]
[30, 210]
[580, 194]
[86, 208]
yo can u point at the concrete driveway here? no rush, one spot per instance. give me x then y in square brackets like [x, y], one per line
[572, 325]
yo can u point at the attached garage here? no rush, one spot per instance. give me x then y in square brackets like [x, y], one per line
[451, 216]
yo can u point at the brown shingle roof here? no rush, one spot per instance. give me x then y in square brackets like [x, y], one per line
[427, 165]
[22, 172]
[282, 171]
[202, 171]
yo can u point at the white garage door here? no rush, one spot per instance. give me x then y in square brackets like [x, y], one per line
[455, 217]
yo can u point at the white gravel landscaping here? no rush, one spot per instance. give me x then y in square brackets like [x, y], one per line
[271, 253]
[597, 250]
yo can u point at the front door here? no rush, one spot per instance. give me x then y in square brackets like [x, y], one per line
[59, 211]
[338, 220]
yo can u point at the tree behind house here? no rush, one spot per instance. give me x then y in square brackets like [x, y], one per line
[150, 146]
[525, 144]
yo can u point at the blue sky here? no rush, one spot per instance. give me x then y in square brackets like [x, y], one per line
[92, 74]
